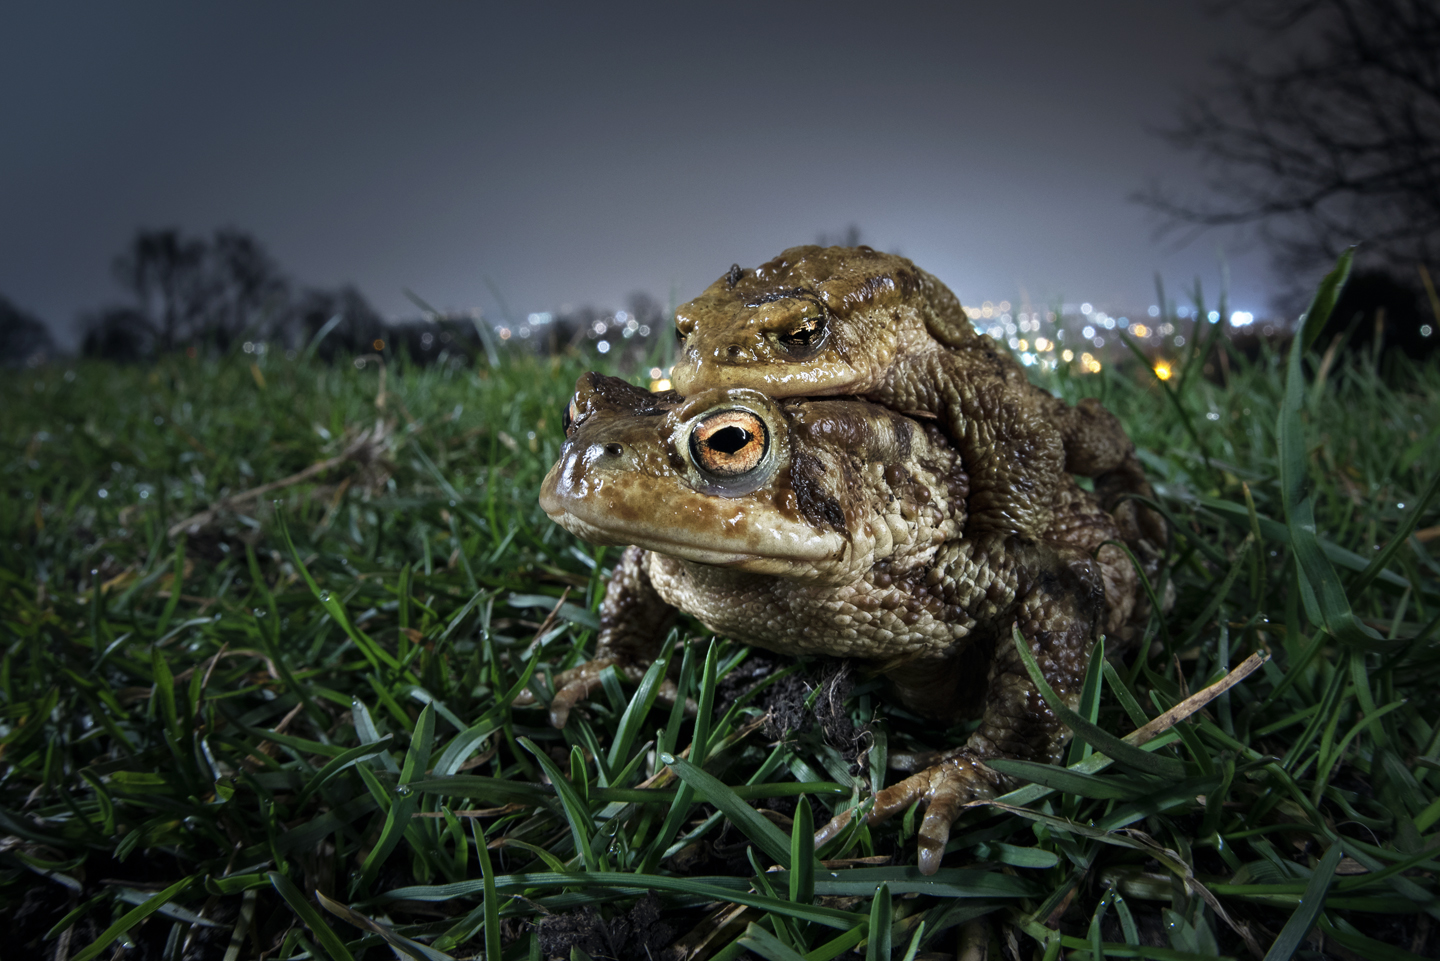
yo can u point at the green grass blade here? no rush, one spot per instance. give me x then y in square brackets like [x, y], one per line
[766, 945]
[1065, 780]
[802, 853]
[758, 829]
[338, 764]
[577, 813]
[1311, 903]
[328, 940]
[1121, 753]
[639, 708]
[131, 918]
[882, 918]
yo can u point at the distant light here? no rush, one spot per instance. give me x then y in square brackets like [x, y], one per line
[1087, 332]
[1098, 342]
[1027, 359]
[1086, 309]
[1213, 316]
[1023, 344]
[599, 327]
[1426, 330]
[655, 374]
[1140, 330]
[1124, 322]
[1042, 345]
[504, 333]
[659, 384]
[1109, 323]
[603, 346]
[1163, 369]
[1154, 311]
[1067, 355]
[1241, 318]
[1182, 312]
[1179, 340]
[620, 316]
[378, 344]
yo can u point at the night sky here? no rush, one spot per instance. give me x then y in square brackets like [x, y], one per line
[572, 154]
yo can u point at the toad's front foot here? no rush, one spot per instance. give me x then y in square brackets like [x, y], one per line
[578, 683]
[945, 788]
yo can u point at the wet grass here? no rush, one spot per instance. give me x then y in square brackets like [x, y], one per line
[287, 730]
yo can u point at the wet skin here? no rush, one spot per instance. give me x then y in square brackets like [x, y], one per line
[828, 321]
[838, 527]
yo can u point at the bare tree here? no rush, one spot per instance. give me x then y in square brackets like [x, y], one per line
[246, 290]
[24, 339]
[189, 291]
[1335, 142]
[165, 273]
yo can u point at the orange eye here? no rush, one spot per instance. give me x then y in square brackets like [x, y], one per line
[729, 443]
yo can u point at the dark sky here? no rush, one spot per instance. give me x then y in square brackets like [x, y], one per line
[574, 153]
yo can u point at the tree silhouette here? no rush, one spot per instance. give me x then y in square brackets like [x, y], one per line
[1337, 141]
[164, 272]
[24, 340]
[188, 292]
[245, 290]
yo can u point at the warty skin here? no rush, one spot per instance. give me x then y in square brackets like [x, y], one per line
[841, 528]
[829, 321]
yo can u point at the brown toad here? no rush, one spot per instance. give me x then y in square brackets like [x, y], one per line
[837, 527]
[826, 321]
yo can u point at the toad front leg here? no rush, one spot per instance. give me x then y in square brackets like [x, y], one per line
[1013, 453]
[1059, 610]
[633, 622]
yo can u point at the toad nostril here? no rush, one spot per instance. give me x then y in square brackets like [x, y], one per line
[613, 450]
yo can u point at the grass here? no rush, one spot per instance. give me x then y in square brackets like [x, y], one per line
[287, 731]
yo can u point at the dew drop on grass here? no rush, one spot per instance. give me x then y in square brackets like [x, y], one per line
[403, 790]
[324, 596]
[260, 612]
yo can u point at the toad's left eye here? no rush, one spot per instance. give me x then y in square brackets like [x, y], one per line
[805, 336]
[567, 419]
[729, 443]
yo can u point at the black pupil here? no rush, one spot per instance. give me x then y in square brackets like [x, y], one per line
[729, 440]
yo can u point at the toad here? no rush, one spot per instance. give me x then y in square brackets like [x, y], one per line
[824, 321]
[837, 527]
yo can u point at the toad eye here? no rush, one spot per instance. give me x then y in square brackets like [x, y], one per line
[567, 419]
[729, 443]
[805, 336]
